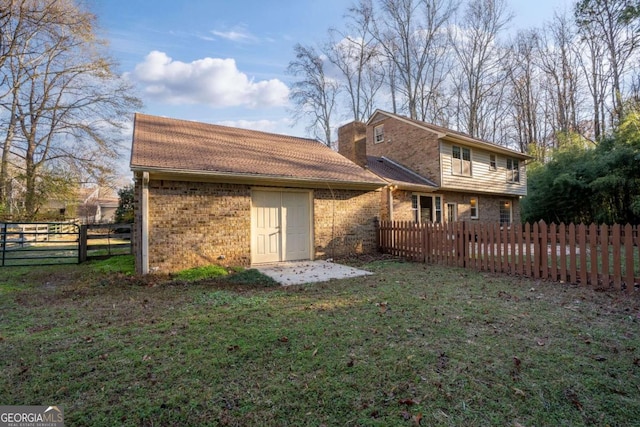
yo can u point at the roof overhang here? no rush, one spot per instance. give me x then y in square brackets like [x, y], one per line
[486, 145]
[399, 185]
[513, 193]
[254, 179]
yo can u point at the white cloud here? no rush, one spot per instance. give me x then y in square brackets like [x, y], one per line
[212, 81]
[238, 35]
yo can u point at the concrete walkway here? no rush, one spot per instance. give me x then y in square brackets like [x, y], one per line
[299, 272]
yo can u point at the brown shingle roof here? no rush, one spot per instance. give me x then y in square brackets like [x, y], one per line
[190, 147]
[396, 174]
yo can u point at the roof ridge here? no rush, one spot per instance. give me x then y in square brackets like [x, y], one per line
[445, 131]
[232, 128]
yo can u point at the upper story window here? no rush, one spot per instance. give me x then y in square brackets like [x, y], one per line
[492, 162]
[378, 134]
[460, 161]
[513, 170]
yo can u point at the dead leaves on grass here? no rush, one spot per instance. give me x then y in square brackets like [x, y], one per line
[384, 307]
[416, 419]
[572, 397]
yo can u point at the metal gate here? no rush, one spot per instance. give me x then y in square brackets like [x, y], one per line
[31, 243]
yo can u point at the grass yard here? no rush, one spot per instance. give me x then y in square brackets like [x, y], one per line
[411, 345]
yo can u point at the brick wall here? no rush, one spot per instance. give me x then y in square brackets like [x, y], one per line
[402, 208]
[352, 142]
[488, 206]
[409, 145]
[344, 222]
[193, 223]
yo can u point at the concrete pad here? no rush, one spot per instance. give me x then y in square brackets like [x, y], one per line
[299, 272]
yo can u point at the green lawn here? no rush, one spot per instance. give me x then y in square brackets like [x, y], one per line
[411, 345]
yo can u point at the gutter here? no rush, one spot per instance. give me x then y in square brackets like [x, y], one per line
[235, 178]
[486, 145]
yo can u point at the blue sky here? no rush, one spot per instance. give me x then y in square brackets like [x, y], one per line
[224, 61]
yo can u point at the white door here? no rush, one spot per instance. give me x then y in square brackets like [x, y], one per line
[280, 226]
[265, 218]
[295, 214]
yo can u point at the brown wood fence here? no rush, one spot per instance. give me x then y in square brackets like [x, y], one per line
[600, 256]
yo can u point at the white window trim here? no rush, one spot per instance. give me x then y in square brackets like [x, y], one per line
[455, 211]
[510, 202]
[453, 169]
[510, 172]
[378, 134]
[493, 166]
[433, 206]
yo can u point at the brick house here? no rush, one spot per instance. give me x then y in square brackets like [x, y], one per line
[436, 174]
[207, 194]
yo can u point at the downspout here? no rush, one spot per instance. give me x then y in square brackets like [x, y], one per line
[144, 238]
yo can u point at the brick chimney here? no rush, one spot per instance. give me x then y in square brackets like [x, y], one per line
[352, 142]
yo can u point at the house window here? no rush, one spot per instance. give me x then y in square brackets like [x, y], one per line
[426, 208]
[473, 205]
[378, 134]
[452, 212]
[513, 170]
[460, 161]
[492, 162]
[505, 212]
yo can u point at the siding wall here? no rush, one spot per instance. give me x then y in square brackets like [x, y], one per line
[482, 178]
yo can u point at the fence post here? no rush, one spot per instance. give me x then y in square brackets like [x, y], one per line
[593, 246]
[536, 250]
[617, 259]
[542, 246]
[628, 256]
[4, 241]
[82, 243]
[465, 244]
[376, 226]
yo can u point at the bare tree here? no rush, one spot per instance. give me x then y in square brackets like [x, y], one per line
[313, 93]
[560, 61]
[610, 27]
[412, 35]
[480, 77]
[355, 53]
[65, 103]
[524, 96]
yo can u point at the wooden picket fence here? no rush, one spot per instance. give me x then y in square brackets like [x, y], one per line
[598, 255]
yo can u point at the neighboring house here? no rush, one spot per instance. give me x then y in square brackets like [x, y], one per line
[97, 205]
[212, 194]
[435, 174]
[91, 205]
